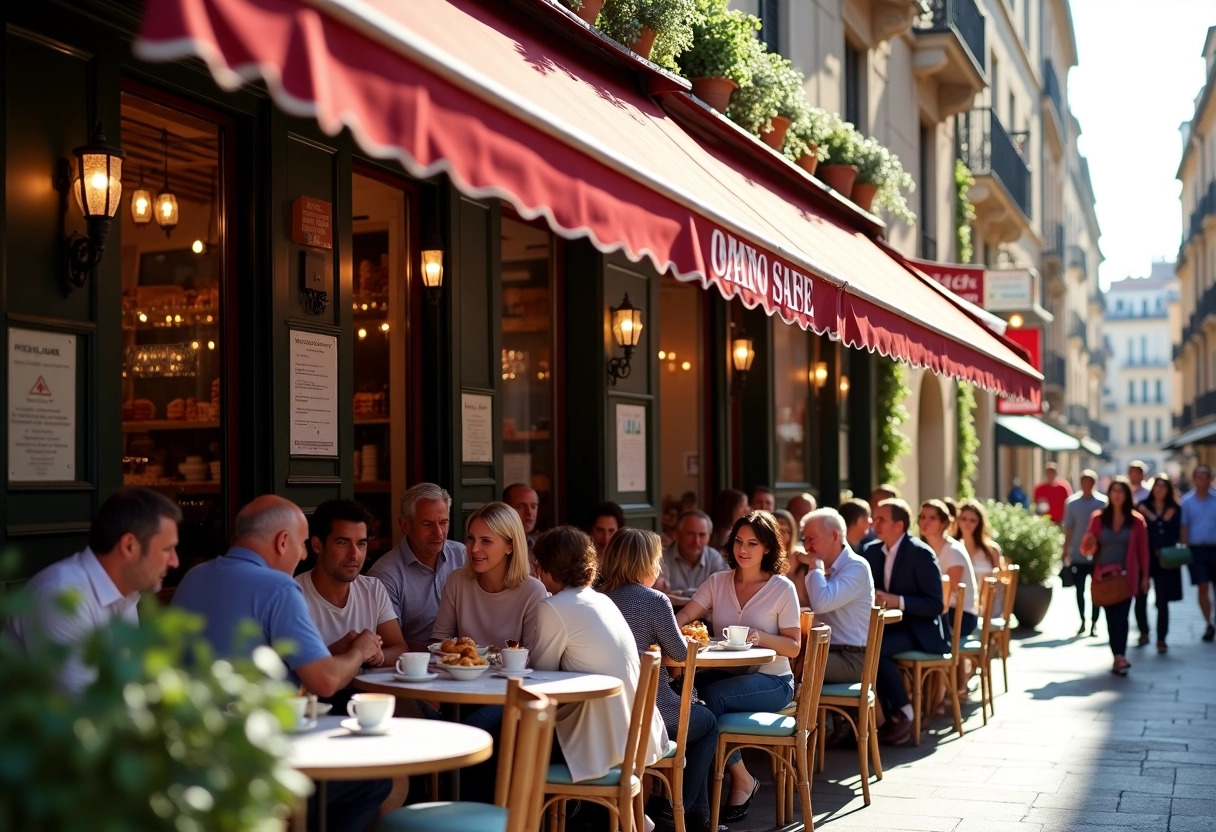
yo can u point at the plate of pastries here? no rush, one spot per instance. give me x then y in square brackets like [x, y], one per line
[461, 658]
[698, 631]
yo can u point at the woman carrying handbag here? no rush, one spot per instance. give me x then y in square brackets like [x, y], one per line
[1117, 540]
[1164, 518]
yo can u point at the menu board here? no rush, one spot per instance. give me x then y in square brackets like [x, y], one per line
[630, 447]
[477, 428]
[41, 406]
[314, 394]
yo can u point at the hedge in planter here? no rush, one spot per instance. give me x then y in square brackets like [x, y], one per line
[1031, 541]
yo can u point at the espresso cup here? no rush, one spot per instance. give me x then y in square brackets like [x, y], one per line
[514, 658]
[413, 664]
[299, 709]
[371, 709]
[735, 634]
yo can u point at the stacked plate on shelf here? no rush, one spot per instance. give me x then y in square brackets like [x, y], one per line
[369, 472]
[194, 469]
[216, 467]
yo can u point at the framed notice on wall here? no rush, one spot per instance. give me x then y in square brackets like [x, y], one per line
[314, 394]
[630, 447]
[476, 428]
[41, 406]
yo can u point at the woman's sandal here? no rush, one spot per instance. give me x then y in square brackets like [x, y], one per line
[1121, 667]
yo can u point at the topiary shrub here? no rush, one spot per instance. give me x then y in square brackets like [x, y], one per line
[722, 43]
[1031, 541]
[623, 21]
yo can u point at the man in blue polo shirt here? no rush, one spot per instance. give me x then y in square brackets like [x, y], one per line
[253, 582]
[1199, 532]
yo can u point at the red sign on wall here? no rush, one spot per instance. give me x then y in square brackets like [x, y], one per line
[965, 281]
[312, 223]
[1030, 338]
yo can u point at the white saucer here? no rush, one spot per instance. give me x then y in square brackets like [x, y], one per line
[733, 648]
[502, 671]
[302, 726]
[428, 677]
[323, 708]
[352, 725]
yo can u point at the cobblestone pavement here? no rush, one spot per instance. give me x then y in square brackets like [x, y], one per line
[1072, 748]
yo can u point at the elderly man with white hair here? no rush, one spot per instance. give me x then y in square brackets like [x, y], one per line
[841, 592]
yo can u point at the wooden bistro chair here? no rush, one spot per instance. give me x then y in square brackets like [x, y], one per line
[669, 770]
[1002, 627]
[842, 698]
[980, 650]
[620, 790]
[788, 740]
[527, 738]
[921, 668]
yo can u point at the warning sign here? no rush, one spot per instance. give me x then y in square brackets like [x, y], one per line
[41, 406]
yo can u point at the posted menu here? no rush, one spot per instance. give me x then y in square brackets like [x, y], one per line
[41, 406]
[314, 394]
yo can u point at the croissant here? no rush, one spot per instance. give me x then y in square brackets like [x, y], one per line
[450, 646]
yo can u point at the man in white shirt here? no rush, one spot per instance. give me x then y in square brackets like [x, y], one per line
[690, 560]
[132, 545]
[841, 591]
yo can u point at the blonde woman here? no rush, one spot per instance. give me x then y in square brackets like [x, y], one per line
[494, 597]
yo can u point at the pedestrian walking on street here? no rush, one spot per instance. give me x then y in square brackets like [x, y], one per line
[1078, 510]
[1199, 532]
[1164, 518]
[1117, 540]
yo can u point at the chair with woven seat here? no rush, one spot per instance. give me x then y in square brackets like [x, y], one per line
[842, 698]
[620, 790]
[1002, 627]
[980, 649]
[670, 769]
[921, 668]
[788, 740]
[524, 745]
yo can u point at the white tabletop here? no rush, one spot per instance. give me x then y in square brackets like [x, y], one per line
[412, 746]
[714, 656]
[489, 689]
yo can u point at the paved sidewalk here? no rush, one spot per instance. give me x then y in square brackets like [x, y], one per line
[1072, 748]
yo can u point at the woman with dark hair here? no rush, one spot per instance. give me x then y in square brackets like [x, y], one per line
[753, 593]
[729, 506]
[631, 565]
[975, 533]
[1118, 539]
[952, 560]
[1163, 515]
[581, 630]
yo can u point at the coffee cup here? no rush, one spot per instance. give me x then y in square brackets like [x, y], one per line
[514, 658]
[299, 710]
[371, 709]
[413, 664]
[735, 635]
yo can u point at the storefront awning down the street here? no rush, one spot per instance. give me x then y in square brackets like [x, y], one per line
[520, 101]
[1202, 435]
[1031, 431]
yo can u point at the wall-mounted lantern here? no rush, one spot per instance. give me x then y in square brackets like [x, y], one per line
[626, 331]
[742, 353]
[97, 187]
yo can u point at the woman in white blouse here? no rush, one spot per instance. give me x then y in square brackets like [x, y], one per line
[952, 560]
[753, 593]
[581, 630]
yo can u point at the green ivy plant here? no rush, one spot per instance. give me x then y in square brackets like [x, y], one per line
[964, 211]
[149, 745]
[775, 89]
[892, 391]
[722, 43]
[810, 130]
[1030, 540]
[672, 20]
[968, 440]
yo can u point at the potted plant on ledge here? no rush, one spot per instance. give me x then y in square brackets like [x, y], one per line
[842, 145]
[1034, 543]
[806, 141]
[655, 29]
[771, 101]
[718, 62]
[882, 181]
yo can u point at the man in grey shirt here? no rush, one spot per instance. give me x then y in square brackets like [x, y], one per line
[1077, 510]
[689, 561]
[416, 572]
[840, 588]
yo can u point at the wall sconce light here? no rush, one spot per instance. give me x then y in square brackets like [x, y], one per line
[432, 273]
[141, 202]
[844, 385]
[742, 353]
[98, 191]
[626, 331]
[167, 215]
[1016, 321]
[819, 375]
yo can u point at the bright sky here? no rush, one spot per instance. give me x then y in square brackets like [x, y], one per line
[1139, 70]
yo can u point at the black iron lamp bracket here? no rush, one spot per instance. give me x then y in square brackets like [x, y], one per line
[619, 368]
[81, 252]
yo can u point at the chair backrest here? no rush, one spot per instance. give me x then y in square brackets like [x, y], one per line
[1014, 574]
[869, 668]
[956, 632]
[528, 723]
[687, 690]
[987, 608]
[637, 744]
[806, 620]
[811, 683]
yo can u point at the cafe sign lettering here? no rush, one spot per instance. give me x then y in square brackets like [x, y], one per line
[740, 268]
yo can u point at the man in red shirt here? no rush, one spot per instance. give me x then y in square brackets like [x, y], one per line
[1050, 495]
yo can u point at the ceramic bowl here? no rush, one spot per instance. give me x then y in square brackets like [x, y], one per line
[465, 674]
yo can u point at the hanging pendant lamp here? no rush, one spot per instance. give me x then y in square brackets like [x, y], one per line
[141, 202]
[166, 201]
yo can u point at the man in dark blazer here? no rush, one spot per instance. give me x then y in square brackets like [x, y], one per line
[907, 578]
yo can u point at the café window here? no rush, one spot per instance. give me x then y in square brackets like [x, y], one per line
[791, 376]
[527, 364]
[379, 226]
[174, 290]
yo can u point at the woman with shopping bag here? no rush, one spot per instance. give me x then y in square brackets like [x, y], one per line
[1117, 540]
[1164, 518]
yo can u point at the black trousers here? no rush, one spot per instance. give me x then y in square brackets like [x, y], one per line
[1117, 625]
[1083, 572]
[1163, 614]
[889, 682]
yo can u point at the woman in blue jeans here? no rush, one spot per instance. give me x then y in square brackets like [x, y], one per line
[631, 565]
[753, 593]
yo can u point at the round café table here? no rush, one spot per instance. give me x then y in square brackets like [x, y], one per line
[410, 746]
[714, 657]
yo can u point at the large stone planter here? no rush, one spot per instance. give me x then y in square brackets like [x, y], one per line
[1030, 605]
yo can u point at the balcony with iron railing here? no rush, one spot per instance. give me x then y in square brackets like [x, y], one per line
[1055, 369]
[1077, 259]
[1205, 405]
[1078, 415]
[1099, 432]
[1055, 119]
[1051, 89]
[1097, 358]
[950, 50]
[1001, 194]
[1053, 250]
[1205, 306]
[1076, 326]
[961, 19]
